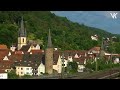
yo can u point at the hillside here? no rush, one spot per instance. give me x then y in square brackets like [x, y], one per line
[37, 23]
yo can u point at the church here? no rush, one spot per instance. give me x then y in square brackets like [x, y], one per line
[40, 61]
[23, 44]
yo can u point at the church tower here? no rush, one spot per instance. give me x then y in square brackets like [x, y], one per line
[49, 56]
[21, 35]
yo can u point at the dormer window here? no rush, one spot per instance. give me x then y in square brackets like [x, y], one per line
[22, 52]
[9, 54]
[76, 56]
[5, 58]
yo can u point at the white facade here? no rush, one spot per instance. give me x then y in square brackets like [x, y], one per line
[12, 48]
[5, 58]
[70, 59]
[60, 64]
[37, 47]
[94, 37]
[81, 68]
[58, 67]
[41, 69]
[9, 54]
[116, 60]
[21, 42]
[76, 56]
[3, 76]
[22, 70]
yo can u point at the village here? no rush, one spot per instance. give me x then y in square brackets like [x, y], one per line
[27, 57]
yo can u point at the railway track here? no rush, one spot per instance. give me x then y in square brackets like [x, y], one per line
[111, 74]
[108, 74]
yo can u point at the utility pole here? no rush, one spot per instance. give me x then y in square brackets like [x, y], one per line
[100, 55]
[62, 73]
[96, 65]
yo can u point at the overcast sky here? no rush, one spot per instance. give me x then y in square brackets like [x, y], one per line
[99, 19]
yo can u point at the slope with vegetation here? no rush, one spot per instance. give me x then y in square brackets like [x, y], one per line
[65, 34]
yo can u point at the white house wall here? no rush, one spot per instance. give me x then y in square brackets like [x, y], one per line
[21, 70]
[41, 69]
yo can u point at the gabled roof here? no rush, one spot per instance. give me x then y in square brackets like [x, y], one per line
[32, 60]
[25, 48]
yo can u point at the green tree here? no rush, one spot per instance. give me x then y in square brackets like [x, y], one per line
[72, 67]
[12, 75]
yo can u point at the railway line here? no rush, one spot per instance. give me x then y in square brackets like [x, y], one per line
[111, 74]
[108, 74]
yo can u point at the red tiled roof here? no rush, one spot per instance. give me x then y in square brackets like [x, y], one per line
[3, 47]
[18, 52]
[16, 57]
[95, 48]
[36, 51]
[2, 71]
[3, 53]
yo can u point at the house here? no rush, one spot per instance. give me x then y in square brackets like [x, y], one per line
[5, 61]
[23, 70]
[41, 69]
[116, 60]
[31, 64]
[29, 47]
[3, 74]
[94, 50]
[69, 56]
[94, 37]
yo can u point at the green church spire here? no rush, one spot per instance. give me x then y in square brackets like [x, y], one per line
[22, 31]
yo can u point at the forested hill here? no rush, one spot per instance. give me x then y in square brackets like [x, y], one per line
[37, 24]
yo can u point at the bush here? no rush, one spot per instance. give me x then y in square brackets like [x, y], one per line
[72, 67]
[12, 75]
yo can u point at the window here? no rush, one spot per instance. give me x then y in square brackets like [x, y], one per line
[21, 68]
[23, 39]
[35, 69]
[27, 72]
[21, 72]
[63, 64]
